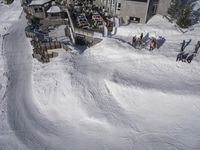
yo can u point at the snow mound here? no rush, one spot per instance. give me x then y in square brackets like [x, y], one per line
[161, 21]
[54, 9]
[157, 26]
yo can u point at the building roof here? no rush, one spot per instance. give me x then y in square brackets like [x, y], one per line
[54, 9]
[39, 2]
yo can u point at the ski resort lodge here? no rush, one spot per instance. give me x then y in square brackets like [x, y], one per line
[84, 22]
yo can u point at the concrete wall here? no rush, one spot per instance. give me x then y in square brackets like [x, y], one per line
[163, 6]
[134, 9]
[53, 22]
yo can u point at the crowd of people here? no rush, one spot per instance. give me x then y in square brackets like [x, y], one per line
[152, 43]
[185, 56]
[140, 42]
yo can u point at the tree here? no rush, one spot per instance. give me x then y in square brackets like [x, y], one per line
[184, 20]
[181, 11]
[174, 8]
[8, 1]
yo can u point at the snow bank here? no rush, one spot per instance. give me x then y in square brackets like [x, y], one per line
[8, 15]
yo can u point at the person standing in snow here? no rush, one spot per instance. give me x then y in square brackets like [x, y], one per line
[141, 36]
[197, 47]
[134, 39]
[105, 30]
[153, 44]
[116, 25]
[140, 41]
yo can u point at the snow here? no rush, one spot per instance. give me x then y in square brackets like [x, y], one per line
[54, 9]
[196, 4]
[6, 20]
[39, 2]
[111, 96]
[58, 33]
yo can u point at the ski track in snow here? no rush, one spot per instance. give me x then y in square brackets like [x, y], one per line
[109, 97]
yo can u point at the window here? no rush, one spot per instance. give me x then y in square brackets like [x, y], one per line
[113, 3]
[134, 19]
[38, 10]
[119, 6]
[154, 9]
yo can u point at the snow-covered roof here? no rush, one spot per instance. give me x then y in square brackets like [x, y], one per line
[54, 9]
[39, 2]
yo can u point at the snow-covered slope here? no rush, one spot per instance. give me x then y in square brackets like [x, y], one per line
[121, 98]
[110, 97]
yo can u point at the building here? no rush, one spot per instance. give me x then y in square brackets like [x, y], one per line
[134, 10]
[46, 13]
[38, 8]
[55, 16]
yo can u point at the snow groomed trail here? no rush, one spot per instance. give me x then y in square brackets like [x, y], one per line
[111, 97]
